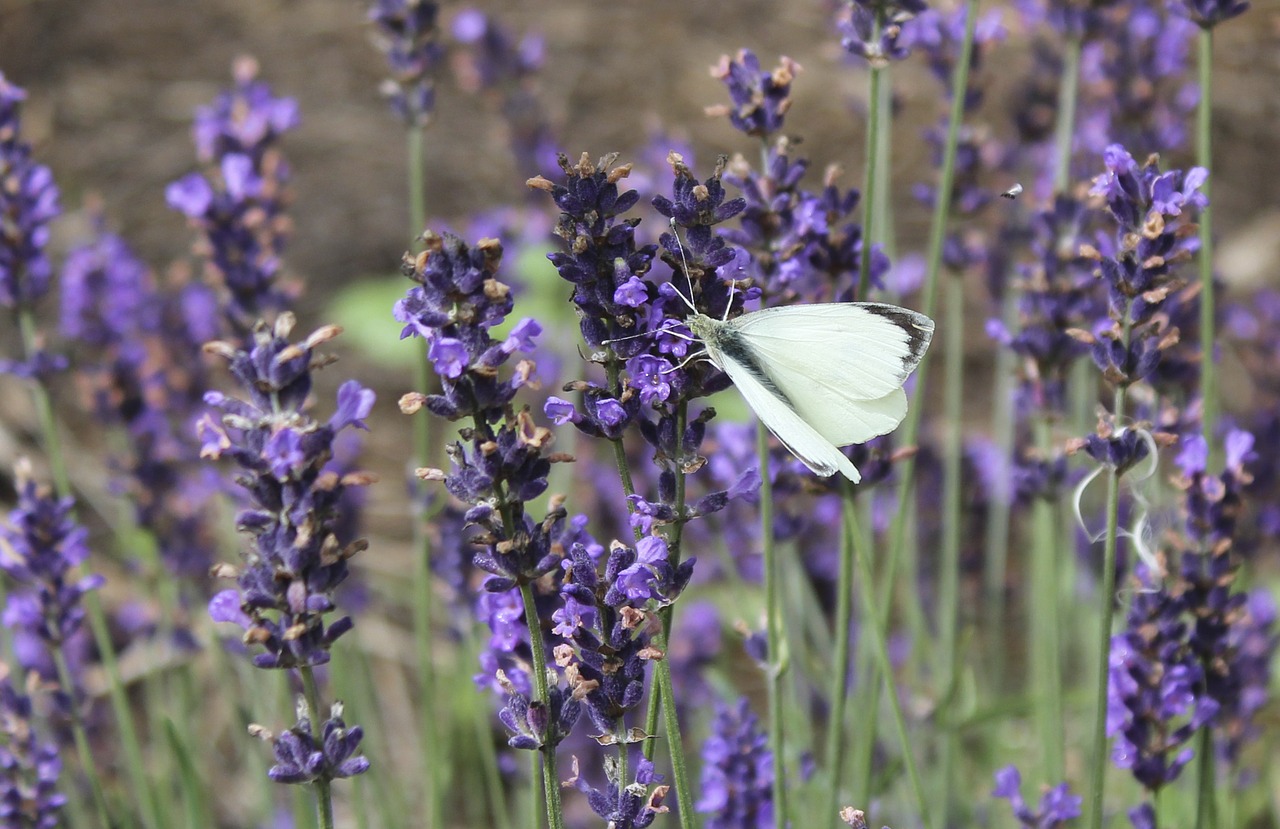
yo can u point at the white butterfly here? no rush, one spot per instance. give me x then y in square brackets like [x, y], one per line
[820, 376]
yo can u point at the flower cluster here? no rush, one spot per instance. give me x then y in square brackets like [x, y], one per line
[760, 98]
[500, 464]
[406, 32]
[137, 346]
[608, 623]
[737, 771]
[1207, 14]
[494, 62]
[285, 589]
[28, 202]
[29, 768]
[302, 756]
[239, 204]
[1156, 698]
[1231, 631]
[802, 245]
[1155, 232]
[626, 805]
[1057, 805]
[43, 546]
[1135, 86]
[872, 28]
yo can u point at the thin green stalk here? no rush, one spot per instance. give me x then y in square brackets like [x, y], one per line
[433, 750]
[1064, 129]
[871, 180]
[949, 565]
[87, 764]
[499, 810]
[838, 695]
[777, 663]
[999, 509]
[883, 193]
[666, 689]
[1098, 756]
[44, 408]
[1206, 811]
[323, 787]
[1046, 623]
[671, 726]
[542, 694]
[1204, 158]
[880, 649]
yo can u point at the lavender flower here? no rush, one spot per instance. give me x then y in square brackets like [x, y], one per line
[285, 588]
[238, 204]
[302, 756]
[1152, 211]
[137, 345]
[28, 201]
[1057, 805]
[42, 547]
[626, 805]
[493, 61]
[872, 29]
[1135, 86]
[1232, 631]
[29, 768]
[406, 32]
[1156, 696]
[760, 98]
[1207, 14]
[737, 772]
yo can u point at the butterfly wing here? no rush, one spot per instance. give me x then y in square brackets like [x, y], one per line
[840, 365]
[776, 413]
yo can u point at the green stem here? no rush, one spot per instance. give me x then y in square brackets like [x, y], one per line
[1206, 811]
[869, 196]
[88, 766]
[323, 787]
[542, 694]
[417, 180]
[777, 663]
[1098, 757]
[1046, 622]
[1000, 508]
[949, 566]
[423, 604]
[880, 650]
[44, 408]
[1064, 129]
[1204, 158]
[840, 661]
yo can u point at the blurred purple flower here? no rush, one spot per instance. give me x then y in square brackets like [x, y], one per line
[737, 772]
[407, 32]
[1057, 805]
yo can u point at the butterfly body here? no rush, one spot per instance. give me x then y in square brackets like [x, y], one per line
[820, 376]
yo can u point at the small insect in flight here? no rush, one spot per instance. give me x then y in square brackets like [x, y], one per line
[818, 376]
[1013, 192]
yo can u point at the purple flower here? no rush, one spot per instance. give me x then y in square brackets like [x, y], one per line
[760, 97]
[449, 356]
[288, 579]
[624, 804]
[633, 293]
[1156, 695]
[238, 203]
[407, 33]
[29, 768]
[43, 546]
[1057, 805]
[28, 203]
[737, 772]
[1209, 13]
[304, 757]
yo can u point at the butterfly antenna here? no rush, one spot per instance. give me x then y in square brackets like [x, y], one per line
[675, 231]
